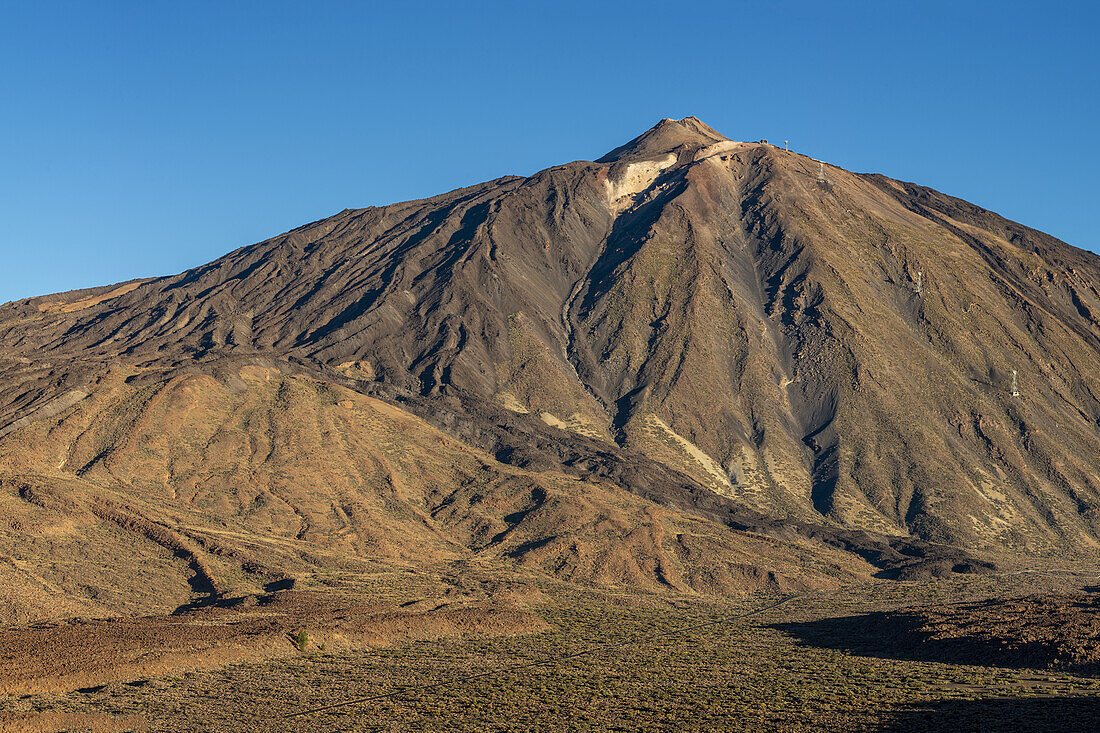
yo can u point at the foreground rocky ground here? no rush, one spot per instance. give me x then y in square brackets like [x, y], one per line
[438, 652]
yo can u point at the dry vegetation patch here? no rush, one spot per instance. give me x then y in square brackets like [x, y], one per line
[739, 674]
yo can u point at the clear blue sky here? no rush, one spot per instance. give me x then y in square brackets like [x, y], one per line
[143, 138]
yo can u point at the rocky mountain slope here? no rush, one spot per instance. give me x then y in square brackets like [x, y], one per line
[747, 324]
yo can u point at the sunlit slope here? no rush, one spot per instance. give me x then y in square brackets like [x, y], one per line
[138, 498]
[837, 347]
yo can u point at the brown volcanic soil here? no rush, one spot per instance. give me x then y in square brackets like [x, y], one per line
[81, 655]
[1044, 631]
[152, 494]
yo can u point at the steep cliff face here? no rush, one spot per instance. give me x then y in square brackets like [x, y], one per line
[813, 343]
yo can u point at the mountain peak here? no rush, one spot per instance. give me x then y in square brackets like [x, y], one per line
[737, 320]
[664, 137]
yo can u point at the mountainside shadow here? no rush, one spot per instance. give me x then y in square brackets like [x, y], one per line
[1037, 715]
[905, 635]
